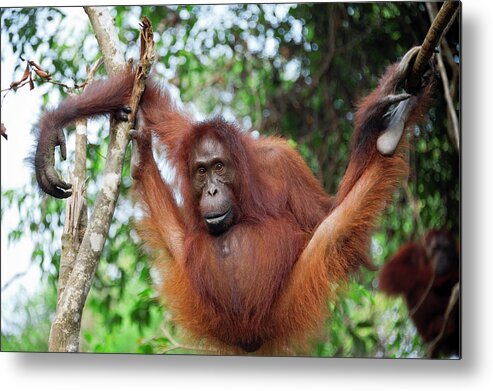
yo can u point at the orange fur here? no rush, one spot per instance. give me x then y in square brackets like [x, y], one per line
[292, 248]
[262, 285]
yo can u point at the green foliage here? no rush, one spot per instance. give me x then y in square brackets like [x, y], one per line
[364, 323]
[293, 70]
[26, 321]
[121, 323]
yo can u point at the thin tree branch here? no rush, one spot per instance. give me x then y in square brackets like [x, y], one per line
[76, 206]
[66, 326]
[454, 298]
[438, 28]
[453, 129]
[423, 297]
[13, 279]
[176, 345]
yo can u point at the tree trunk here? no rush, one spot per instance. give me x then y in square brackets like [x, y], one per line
[78, 274]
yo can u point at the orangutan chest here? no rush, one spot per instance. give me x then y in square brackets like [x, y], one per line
[236, 262]
[244, 270]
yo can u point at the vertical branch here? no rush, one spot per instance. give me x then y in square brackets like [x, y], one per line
[438, 28]
[453, 300]
[107, 36]
[76, 206]
[65, 329]
[453, 128]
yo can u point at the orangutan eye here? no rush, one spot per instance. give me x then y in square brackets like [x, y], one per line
[201, 171]
[219, 166]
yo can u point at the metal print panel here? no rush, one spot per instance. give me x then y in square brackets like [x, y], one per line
[238, 179]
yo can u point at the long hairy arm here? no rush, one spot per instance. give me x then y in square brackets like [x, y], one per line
[162, 226]
[102, 97]
[340, 243]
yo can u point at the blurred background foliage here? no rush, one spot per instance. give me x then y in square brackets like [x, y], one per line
[294, 70]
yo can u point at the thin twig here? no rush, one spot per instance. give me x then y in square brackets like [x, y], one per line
[193, 348]
[176, 345]
[440, 25]
[40, 80]
[423, 297]
[453, 130]
[454, 122]
[454, 297]
[76, 206]
[147, 56]
[14, 277]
